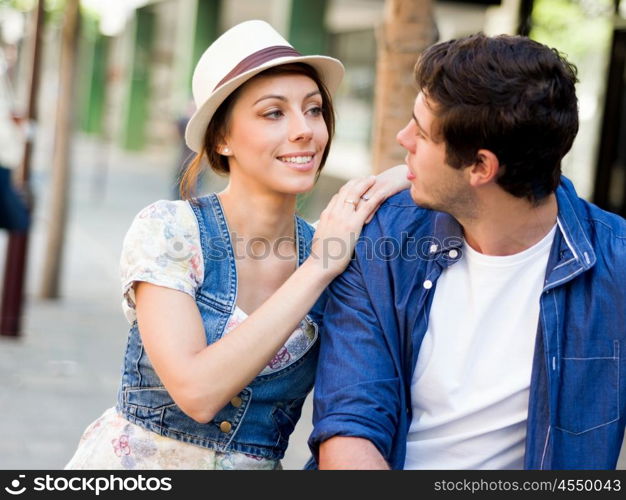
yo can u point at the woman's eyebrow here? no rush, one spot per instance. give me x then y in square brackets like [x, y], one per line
[283, 98]
[271, 96]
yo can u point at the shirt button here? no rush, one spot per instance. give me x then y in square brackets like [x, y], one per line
[236, 401]
[428, 284]
[226, 426]
[453, 254]
[433, 248]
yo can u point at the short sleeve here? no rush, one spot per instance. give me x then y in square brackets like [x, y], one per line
[161, 247]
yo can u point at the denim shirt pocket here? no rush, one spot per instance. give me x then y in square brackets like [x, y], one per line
[589, 392]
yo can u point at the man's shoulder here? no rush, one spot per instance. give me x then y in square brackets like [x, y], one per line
[401, 201]
[609, 223]
[599, 221]
[608, 232]
[397, 214]
[604, 232]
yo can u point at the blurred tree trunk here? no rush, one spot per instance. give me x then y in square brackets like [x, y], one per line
[61, 155]
[407, 29]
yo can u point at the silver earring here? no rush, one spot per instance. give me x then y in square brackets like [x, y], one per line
[225, 150]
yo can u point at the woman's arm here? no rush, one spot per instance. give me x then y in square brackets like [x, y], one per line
[203, 378]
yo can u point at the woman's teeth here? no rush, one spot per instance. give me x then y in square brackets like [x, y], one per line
[297, 159]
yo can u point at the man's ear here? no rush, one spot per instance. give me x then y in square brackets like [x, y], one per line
[485, 168]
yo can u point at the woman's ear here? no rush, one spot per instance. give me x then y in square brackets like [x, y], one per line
[485, 168]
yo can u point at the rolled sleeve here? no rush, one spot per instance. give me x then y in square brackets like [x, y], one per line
[357, 388]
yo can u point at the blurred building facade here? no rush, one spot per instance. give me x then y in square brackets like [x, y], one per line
[137, 83]
[134, 81]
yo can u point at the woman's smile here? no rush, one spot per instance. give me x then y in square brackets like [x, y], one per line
[302, 162]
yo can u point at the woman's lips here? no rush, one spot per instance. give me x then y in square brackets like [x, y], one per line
[301, 163]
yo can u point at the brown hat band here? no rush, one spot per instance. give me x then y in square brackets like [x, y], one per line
[256, 59]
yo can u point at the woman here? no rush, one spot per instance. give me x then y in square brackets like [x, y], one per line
[223, 291]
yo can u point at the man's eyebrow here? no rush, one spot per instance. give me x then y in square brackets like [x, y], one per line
[283, 98]
[419, 126]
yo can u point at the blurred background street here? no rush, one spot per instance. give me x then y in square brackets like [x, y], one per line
[113, 92]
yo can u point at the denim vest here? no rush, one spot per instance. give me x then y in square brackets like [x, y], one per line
[260, 419]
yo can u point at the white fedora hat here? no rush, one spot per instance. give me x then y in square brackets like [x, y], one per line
[240, 53]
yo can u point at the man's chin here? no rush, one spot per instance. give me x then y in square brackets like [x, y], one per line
[419, 200]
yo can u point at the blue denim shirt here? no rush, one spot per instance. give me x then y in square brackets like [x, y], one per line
[266, 411]
[377, 314]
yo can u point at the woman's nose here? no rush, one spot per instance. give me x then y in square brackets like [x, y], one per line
[301, 129]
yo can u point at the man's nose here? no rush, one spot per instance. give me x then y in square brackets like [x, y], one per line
[403, 136]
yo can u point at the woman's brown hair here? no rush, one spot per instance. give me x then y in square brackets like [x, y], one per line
[218, 127]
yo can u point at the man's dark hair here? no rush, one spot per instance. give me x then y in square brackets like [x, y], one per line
[508, 94]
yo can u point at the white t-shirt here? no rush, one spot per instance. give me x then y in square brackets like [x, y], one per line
[471, 382]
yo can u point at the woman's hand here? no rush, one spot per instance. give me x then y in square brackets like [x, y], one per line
[341, 221]
[340, 225]
[389, 182]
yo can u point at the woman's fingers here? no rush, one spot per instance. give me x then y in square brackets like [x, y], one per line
[388, 183]
[350, 194]
[370, 206]
[340, 225]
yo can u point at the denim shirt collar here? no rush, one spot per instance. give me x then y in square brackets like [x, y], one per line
[447, 243]
[572, 252]
[575, 254]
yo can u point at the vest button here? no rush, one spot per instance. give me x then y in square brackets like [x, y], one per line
[236, 401]
[226, 426]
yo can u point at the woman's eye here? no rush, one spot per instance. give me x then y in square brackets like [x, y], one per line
[315, 111]
[273, 114]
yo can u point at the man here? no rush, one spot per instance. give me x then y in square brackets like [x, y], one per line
[482, 322]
